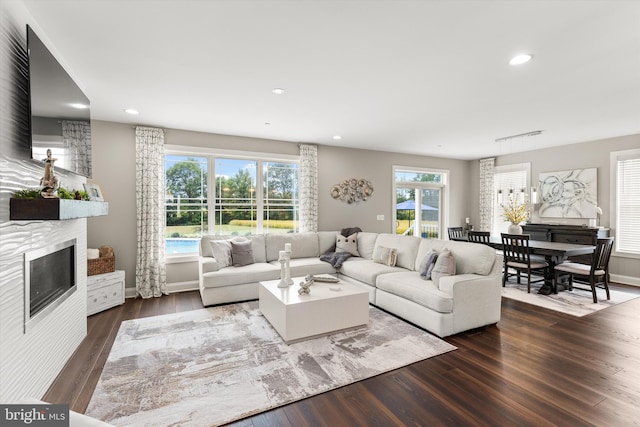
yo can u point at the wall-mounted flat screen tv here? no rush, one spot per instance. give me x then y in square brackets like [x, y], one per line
[60, 113]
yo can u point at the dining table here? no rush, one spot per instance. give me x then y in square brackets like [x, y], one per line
[554, 253]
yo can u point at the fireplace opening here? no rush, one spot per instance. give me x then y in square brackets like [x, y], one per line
[50, 278]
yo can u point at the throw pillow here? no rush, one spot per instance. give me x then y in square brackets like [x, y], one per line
[427, 264]
[384, 255]
[221, 252]
[445, 266]
[347, 244]
[241, 253]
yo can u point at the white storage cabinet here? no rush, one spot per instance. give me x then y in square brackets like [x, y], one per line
[104, 291]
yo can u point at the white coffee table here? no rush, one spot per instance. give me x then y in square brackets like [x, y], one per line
[297, 317]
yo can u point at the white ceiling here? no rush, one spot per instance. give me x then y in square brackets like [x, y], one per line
[422, 77]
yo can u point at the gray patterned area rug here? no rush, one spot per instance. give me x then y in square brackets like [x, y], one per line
[578, 302]
[217, 365]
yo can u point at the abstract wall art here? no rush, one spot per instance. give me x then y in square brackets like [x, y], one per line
[569, 194]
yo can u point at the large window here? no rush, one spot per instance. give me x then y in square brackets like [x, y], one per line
[227, 195]
[625, 209]
[419, 199]
[510, 182]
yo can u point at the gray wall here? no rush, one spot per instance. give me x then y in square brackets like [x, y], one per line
[576, 156]
[114, 171]
[337, 164]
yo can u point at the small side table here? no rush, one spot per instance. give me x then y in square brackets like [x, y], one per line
[104, 291]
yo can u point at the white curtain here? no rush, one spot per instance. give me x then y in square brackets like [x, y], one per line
[76, 135]
[150, 260]
[486, 193]
[308, 187]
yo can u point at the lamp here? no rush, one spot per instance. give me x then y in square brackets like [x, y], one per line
[534, 196]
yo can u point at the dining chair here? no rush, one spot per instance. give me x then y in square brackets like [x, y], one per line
[517, 256]
[479, 236]
[455, 232]
[592, 274]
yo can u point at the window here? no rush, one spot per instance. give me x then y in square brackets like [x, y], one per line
[186, 206]
[509, 182]
[227, 195]
[625, 209]
[418, 198]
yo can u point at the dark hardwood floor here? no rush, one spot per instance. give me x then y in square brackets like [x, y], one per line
[536, 367]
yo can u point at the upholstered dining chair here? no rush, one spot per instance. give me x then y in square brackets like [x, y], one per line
[595, 273]
[455, 232]
[479, 236]
[517, 256]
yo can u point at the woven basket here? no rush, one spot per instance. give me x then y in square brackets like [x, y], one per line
[101, 265]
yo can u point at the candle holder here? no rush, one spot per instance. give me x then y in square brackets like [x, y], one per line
[287, 272]
[282, 259]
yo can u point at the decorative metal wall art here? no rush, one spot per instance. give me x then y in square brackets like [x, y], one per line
[352, 190]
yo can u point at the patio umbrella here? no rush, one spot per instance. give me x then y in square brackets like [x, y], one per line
[411, 205]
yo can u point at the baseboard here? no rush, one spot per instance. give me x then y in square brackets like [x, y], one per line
[172, 288]
[625, 280]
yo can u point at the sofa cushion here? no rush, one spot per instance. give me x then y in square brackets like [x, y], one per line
[303, 245]
[221, 251]
[240, 275]
[347, 244]
[241, 253]
[409, 285]
[365, 270]
[472, 258]
[407, 247]
[384, 255]
[257, 245]
[327, 241]
[445, 266]
[366, 243]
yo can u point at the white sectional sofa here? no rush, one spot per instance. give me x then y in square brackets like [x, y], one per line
[469, 299]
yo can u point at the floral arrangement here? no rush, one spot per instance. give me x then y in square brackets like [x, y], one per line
[515, 212]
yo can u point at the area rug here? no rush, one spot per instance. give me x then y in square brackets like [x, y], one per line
[577, 302]
[217, 365]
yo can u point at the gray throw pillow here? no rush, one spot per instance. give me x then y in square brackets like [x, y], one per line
[241, 253]
[221, 252]
[427, 264]
[347, 244]
[445, 266]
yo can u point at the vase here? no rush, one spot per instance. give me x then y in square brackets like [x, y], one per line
[514, 229]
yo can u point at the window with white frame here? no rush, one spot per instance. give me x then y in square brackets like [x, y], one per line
[510, 182]
[419, 196]
[625, 201]
[211, 193]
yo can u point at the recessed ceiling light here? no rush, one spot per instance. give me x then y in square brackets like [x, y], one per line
[278, 91]
[521, 59]
[337, 137]
[79, 106]
[131, 111]
[267, 124]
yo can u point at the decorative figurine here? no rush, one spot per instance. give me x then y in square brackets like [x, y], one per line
[287, 266]
[282, 259]
[49, 182]
[305, 287]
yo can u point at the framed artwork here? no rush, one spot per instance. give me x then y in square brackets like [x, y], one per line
[569, 194]
[93, 190]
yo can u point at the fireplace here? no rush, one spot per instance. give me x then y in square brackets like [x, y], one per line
[50, 278]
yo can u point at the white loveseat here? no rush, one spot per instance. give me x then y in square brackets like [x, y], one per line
[469, 299]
